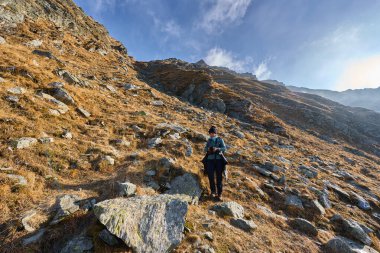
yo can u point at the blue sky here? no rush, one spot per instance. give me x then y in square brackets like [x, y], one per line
[329, 44]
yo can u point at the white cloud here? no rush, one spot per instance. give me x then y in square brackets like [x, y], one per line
[223, 12]
[220, 57]
[171, 28]
[262, 71]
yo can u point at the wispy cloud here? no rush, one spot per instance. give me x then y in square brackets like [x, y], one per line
[220, 57]
[222, 13]
[100, 6]
[262, 71]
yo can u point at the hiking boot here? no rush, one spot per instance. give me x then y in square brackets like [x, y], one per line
[219, 198]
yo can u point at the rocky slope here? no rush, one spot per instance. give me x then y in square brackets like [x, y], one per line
[366, 98]
[100, 153]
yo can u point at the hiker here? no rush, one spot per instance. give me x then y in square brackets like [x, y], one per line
[215, 162]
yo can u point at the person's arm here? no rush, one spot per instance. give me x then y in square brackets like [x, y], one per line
[222, 146]
[206, 147]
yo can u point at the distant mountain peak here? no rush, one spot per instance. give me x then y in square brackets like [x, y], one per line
[201, 63]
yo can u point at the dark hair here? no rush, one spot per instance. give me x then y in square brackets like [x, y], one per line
[212, 130]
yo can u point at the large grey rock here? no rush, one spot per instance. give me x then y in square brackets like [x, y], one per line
[66, 205]
[293, 203]
[360, 201]
[62, 107]
[186, 184]
[304, 226]
[229, 209]
[80, 244]
[309, 172]
[154, 142]
[262, 171]
[62, 95]
[341, 244]
[246, 225]
[147, 224]
[24, 142]
[68, 77]
[324, 199]
[42, 53]
[127, 189]
[16, 90]
[343, 194]
[351, 229]
[34, 238]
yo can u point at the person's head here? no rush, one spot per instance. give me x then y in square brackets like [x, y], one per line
[212, 131]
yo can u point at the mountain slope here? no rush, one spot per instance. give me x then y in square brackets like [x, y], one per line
[366, 98]
[78, 116]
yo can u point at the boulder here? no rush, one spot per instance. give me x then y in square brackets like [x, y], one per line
[343, 194]
[341, 244]
[304, 226]
[34, 238]
[46, 54]
[83, 112]
[127, 189]
[324, 199]
[80, 244]
[293, 203]
[262, 171]
[24, 142]
[246, 225]
[229, 209]
[129, 86]
[351, 229]
[16, 90]
[62, 95]
[186, 184]
[69, 78]
[154, 142]
[147, 224]
[157, 103]
[360, 201]
[108, 238]
[66, 205]
[309, 172]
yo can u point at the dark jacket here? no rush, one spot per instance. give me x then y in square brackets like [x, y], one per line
[217, 142]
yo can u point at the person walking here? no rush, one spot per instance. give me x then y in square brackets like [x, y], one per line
[215, 162]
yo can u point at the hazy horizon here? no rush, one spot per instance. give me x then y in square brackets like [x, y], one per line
[314, 44]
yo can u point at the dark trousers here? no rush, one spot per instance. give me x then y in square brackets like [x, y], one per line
[215, 167]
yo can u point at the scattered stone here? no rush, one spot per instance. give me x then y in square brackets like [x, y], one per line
[67, 135]
[309, 172]
[171, 126]
[293, 203]
[189, 150]
[12, 99]
[175, 136]
[324, 199]
[317, 208]
[154, 142]
[23, 142]
[206, 249]
[69, 78]
[108, 238]
[83, 112]
[20, 180]
[341, 244]
[360, 201]
[2, 40]
[62, 95]
[129, 86]
[62, 107]
[127, 189]
[351, 229]
[154, 185]
[157, 103]
[80, 244]
[246, 225]
[34, 238]
[304, 226]
[111, 88]
[34, 43]
[56, 85]
[239, 134]
[26, 219]
[120, 142]
[186, 184]
[343, 194]
[66, 205]
[271, 167]
[229, 209]
[16, 90]
[147, 224]
[262, 171]
[46, 54]
[46, 140]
